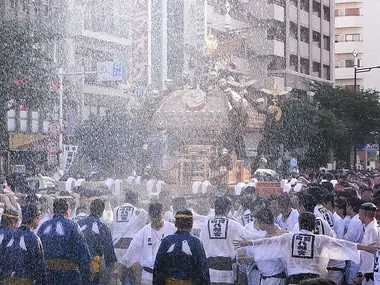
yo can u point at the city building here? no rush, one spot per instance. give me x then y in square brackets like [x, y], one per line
[88, 37]
[286, 43]
[356, 29]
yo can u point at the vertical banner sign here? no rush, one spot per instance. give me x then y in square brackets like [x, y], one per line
[69, 153]
[139, 58]
[293, 165]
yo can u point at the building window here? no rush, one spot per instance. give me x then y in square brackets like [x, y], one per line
[352, 38]
[277, 2]
[337, 12]
[338, 38]
[293, 62]
[276, 32]
[293, 30]
[346, 63]
[23, 120]
[326, 42]
[317, 39]
[304, 34]
[326, 13]
[316, 69]
[349, 63]
[276, 63]
[12, 3]
[11, 120]
[317, 9]
[35, 122]
[326, 72]
[305, 66]
[352, 12]
[294, 2]
[304, 5]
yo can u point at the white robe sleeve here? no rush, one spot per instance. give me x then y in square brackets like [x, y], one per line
[268, 248]
[134, 250]
[339, 249]
[244, 233]
[367, 259]
[354, 231]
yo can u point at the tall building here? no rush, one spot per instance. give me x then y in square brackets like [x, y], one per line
[286, 43]
[85, 33]
[356, 29]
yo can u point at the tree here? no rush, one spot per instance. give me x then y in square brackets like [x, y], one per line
[358, 111]
[304, 131]
[25, 71]
[115, 142]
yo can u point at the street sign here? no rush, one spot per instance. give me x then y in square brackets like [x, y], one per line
[355, 53]
[109, 71]
[54, 129]
[51, 147]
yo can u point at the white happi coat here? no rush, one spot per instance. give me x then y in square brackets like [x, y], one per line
[322, 212]
[245, 219]
[128, 220]
[217, 235]
[144, 246]
[270, 268]
[303, 252]
[371, 235]
[289, 223]
[339, 224]
[376, 269]
[355, 230]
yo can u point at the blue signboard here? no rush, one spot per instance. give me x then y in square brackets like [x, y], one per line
[367, 147]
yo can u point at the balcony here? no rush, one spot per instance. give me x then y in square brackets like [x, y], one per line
[326, 57]
[348, 1]
[304, 18]
[293, 14]
[268, 12]
[349, 22]
[266, 47]
[304, 50]
[293, 46]
[219, 21]
[346, 73]
[348, 47]
[316, 53]
[316, 23]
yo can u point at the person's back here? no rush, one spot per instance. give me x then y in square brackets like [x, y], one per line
[21, 254]
[217, 235]
[305, 254]
[66, 251]
[98, 237]
[181, 256]
[129, 219]
[22, 257]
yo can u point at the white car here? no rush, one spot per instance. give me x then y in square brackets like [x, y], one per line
[40, 182]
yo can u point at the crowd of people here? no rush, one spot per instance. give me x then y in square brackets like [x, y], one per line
[325, 233]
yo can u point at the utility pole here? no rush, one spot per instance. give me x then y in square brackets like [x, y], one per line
[61, 74]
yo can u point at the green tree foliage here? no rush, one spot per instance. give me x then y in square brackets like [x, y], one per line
[336, 121]
[304, 131]
[114, 143]
[25, 70]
